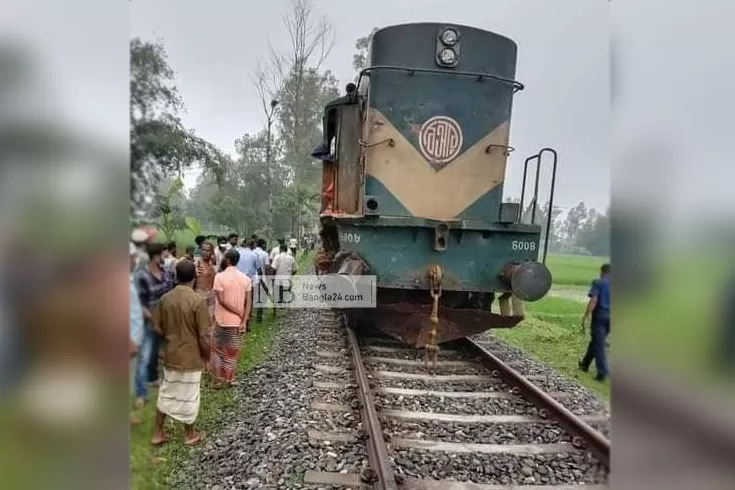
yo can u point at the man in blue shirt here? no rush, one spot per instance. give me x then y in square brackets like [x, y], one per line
[249, 264]
[249, 261]
[598, 307]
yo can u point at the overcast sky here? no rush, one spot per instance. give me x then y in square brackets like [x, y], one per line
[563, 61]
[675, 69]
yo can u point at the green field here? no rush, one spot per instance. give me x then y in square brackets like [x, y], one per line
[675, 325]
[551, 332]
[574, 270]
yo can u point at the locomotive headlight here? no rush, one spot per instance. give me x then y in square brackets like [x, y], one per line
[450, 37]
[448, 56]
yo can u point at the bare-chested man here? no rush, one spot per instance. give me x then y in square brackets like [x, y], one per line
[205, 271]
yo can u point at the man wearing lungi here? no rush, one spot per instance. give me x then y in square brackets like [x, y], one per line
[183, 320]
[234, 293]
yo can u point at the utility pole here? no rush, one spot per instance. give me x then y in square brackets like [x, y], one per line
[269, 115]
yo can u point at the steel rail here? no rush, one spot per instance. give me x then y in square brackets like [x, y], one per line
[376, 446]
[596, 442]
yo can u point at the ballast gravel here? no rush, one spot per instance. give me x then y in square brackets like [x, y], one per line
[262, 442]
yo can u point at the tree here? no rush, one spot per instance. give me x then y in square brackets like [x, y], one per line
[572, 225]
[273, 165]
[541, 218]
[594, 236]
[240, 203]
[160, 145]
[268, 82]
[304, 90]
[303, 107]
[311, 43]
[360, 59]
[554, 232]
[172, 219]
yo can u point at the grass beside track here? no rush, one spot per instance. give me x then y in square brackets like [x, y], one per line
[150, 467]
[551, 332]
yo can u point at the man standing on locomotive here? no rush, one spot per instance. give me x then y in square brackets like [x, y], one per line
[598, 307]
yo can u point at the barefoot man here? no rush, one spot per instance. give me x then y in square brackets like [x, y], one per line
[183, 320]
[205, 272]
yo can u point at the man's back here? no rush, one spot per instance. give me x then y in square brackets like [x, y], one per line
[262, 257]
[234, 285]
[284, 264]
[183, 318]
[600, 289]
[248, 263]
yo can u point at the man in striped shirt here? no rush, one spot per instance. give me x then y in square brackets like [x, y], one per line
[152, 282]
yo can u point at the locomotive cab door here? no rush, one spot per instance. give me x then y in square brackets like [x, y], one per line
[342, 171]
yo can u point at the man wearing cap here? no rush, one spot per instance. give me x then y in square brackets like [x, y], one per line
[141, 238]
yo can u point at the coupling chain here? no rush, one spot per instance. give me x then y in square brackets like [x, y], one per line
[435, 285]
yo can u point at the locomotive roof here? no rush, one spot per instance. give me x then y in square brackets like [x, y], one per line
[438, 25]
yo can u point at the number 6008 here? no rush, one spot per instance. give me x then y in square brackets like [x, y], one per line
[520, 245]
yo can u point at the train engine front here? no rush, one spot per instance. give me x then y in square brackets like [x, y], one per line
[414, 160]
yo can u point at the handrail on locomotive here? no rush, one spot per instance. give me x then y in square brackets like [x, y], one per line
[534, 201]
[517, 86]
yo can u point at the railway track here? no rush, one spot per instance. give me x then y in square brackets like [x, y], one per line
[477, 423]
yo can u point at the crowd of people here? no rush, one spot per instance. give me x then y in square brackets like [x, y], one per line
[194, 310]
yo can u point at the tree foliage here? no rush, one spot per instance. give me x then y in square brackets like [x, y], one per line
[292, 88]
[594, 235]
[578, 231]
[574, 221]
[172, 218]
[160, 145]
[360, 59]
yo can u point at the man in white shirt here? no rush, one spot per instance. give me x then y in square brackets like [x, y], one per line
[277, 250]
[219, 252]
[293, 244]
[285, 267]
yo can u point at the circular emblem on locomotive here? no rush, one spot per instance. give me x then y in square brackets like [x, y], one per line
[440, 139]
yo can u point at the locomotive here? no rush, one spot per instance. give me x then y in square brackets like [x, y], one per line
[413, 165]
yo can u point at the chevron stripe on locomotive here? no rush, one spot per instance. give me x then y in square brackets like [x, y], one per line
[414, 158]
